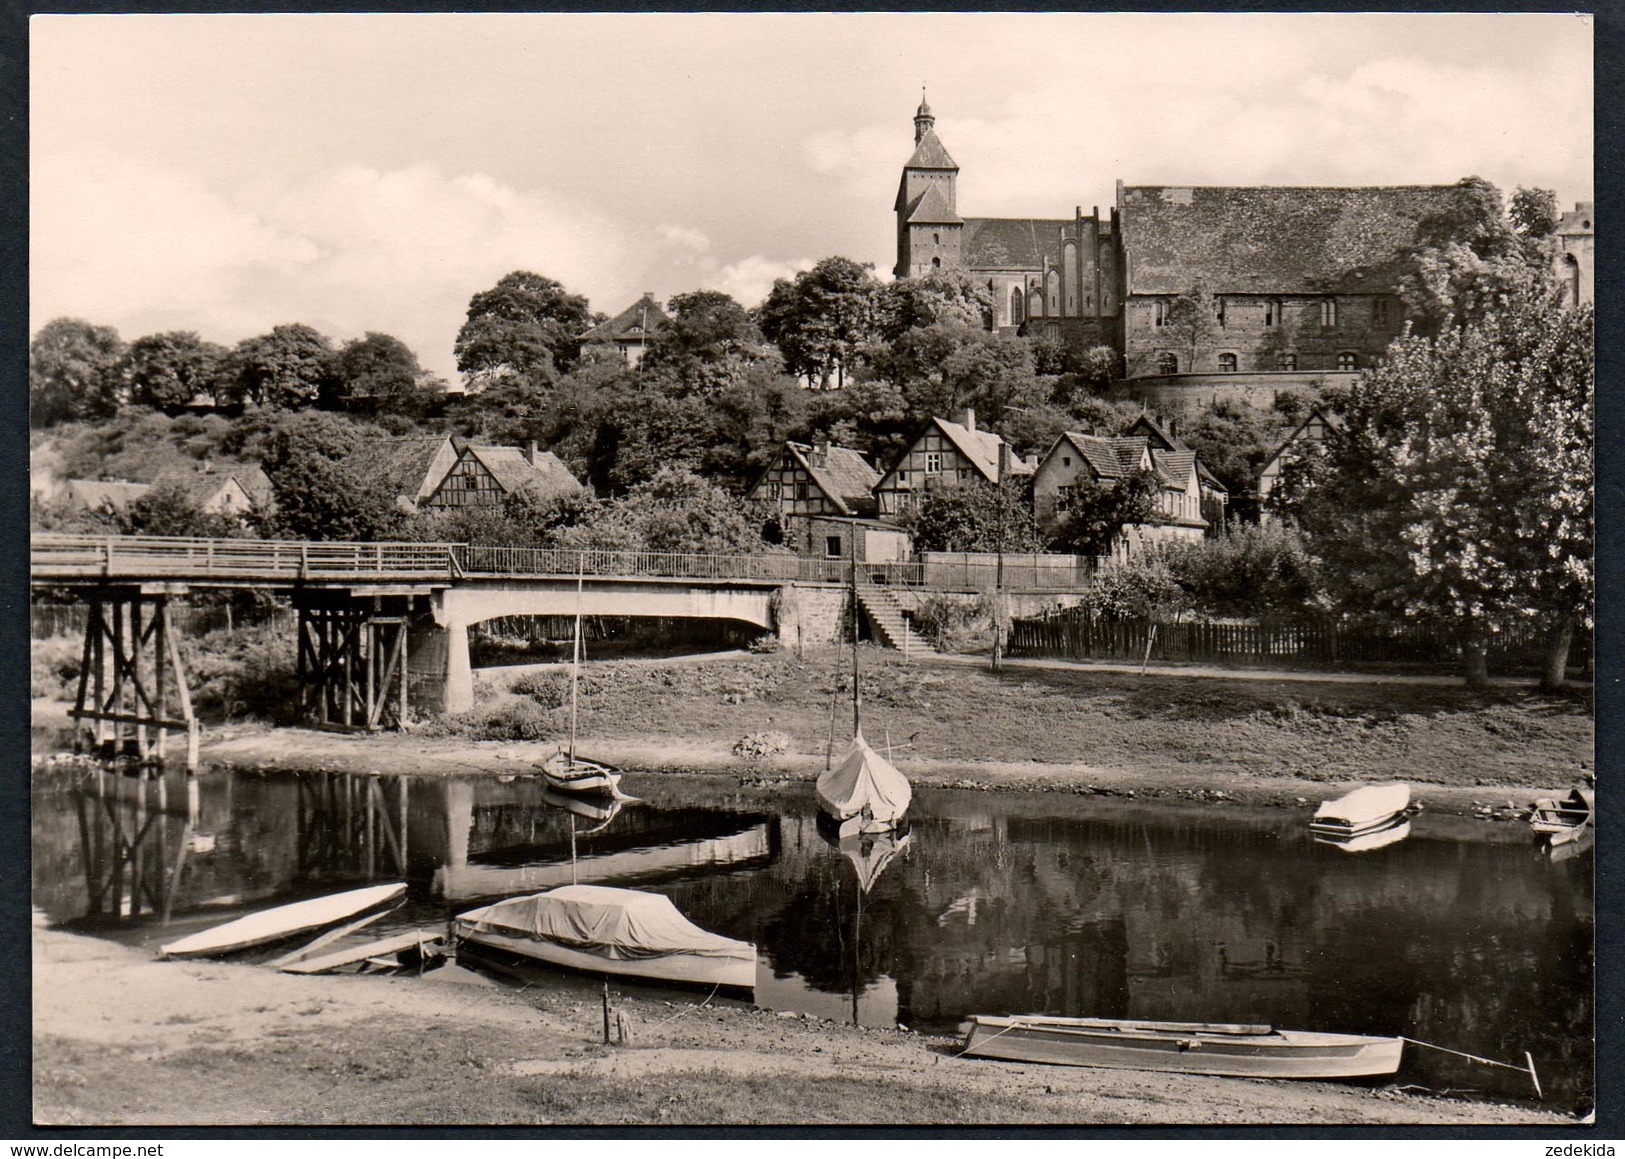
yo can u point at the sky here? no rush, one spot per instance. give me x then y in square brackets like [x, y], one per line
[228, 173]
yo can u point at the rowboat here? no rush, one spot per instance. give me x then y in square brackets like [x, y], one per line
[1563, 821]
[1366, 808]
[1248, 1051]
[1371, 839]
[415, 944]
[282, 922]
[602, 929]
[569, 773]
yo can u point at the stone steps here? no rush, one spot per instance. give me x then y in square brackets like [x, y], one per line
[888, 622]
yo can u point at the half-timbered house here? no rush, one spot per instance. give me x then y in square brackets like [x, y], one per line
[484, 476]
[947, 454]
[1079, 461]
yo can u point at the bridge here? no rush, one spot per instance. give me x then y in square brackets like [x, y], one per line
[385, 624]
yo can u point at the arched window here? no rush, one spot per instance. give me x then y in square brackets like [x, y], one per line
[1167, 363]
[1162, 307]
[936, 238]
[1015, 306]
[1054, 294]
[936, 263]
[1571, 268]
[1286, 360]
[1227, 363]
[1035, 303]
[1069, 262]
[1348, 360]
[1328, 312]
[1272, 311]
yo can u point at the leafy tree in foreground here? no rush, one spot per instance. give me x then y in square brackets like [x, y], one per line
[709, 344]
[321, 490]
[70, 372]
[1100, 510]
[822, 318]
[1459, 490]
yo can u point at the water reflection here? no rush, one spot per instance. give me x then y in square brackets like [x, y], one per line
[990, 904]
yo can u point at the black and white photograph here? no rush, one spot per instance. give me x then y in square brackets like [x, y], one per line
[732, 570]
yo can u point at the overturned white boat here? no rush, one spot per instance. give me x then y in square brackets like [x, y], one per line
[864, 793]
[1366, 809]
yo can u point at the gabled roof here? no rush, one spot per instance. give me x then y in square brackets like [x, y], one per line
[1159, 435]
[981, 448]
[844, 476]
[1273, 239]
[1101, 457]
[202, 486]
[929, 154]
[512, 469]
[931, 208]
[639, 321]
[94, 494]
[1173, 468]
[1012, 242]
[1316, 415]
[401, 464]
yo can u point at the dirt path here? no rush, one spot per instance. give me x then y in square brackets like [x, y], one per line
[121, 1038]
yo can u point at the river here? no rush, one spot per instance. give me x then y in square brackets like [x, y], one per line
[1463, 935]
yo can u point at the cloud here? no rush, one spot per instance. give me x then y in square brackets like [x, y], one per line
[749, 280]
[683, 237]
[133, 244]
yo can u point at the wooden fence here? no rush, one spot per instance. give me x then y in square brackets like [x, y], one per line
[1518, 647]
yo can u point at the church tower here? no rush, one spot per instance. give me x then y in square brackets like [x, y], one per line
[930, 232]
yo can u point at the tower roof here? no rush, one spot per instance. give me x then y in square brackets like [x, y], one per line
[932, 208]
[929, 154]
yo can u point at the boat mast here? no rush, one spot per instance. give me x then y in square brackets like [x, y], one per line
[575, 666]
[856, 695]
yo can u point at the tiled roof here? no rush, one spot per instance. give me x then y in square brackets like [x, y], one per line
[642, 319]
[201, 486]
[1272, 239]
[932, 208]
[1012, 242]
[1159, 435]
[1101, 456]
[94, 494]
[512, 470]
[844, 476]
[929, 154]
[981, 448]
[401, 464]
[1173, 467]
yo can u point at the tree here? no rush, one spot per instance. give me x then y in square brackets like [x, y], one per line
[1250, 570]
[320, 492]
[1234, 441]
[169, 510]
[1100, 509]
[375, 373]
[676, 511]
[70, 372]
[709, 344]
[822, 318]
[287, 369]
[1459, 490]
[975, 516]
[527, 326]
[169, 370]
[1472, 258]
[1193, 321]
[940, 298]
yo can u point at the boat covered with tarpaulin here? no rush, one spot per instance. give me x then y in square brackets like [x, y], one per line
[1363, 810]
[605, 929]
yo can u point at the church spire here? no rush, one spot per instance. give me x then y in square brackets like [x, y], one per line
[923, 120]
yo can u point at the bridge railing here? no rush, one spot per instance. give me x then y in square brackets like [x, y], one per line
[55, 555]
[521, 561]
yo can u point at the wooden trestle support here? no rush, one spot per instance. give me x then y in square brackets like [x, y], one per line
[130, 665]
[352, 658]
[134, 838]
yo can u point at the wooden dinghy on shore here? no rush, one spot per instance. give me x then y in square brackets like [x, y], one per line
[282, 922]
[1566, 820]
[1247, 1051]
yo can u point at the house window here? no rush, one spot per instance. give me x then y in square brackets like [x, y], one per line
[1063, 498]
[933, 462]
[1286, 360]
[1167, 364]
[801, 488]
[1015, 305]
[1379, 312]
[1328, 312]
[1348, 360]
[1227, 363]
[832, 546]
[1162, 307]
[1272, 312]
[775, 492]
[1066, 460]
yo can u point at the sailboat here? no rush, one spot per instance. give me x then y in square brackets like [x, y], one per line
[864, 792]
[564, 770]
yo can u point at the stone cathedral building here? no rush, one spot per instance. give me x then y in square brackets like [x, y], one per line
[1301, 282]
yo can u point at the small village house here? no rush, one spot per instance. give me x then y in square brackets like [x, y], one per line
[484, 476]
[947, 454]
[1078, 461]
[1311, 431]
[824, 495]
[630, 331]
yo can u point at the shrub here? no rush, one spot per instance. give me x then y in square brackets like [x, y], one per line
[54, 667]
[954, 624]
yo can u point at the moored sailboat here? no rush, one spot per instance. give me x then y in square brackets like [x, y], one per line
[565, 770]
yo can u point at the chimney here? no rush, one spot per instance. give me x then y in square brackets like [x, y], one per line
[1004, 461]
[967, 419]
[820, 455]
[530, 452]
